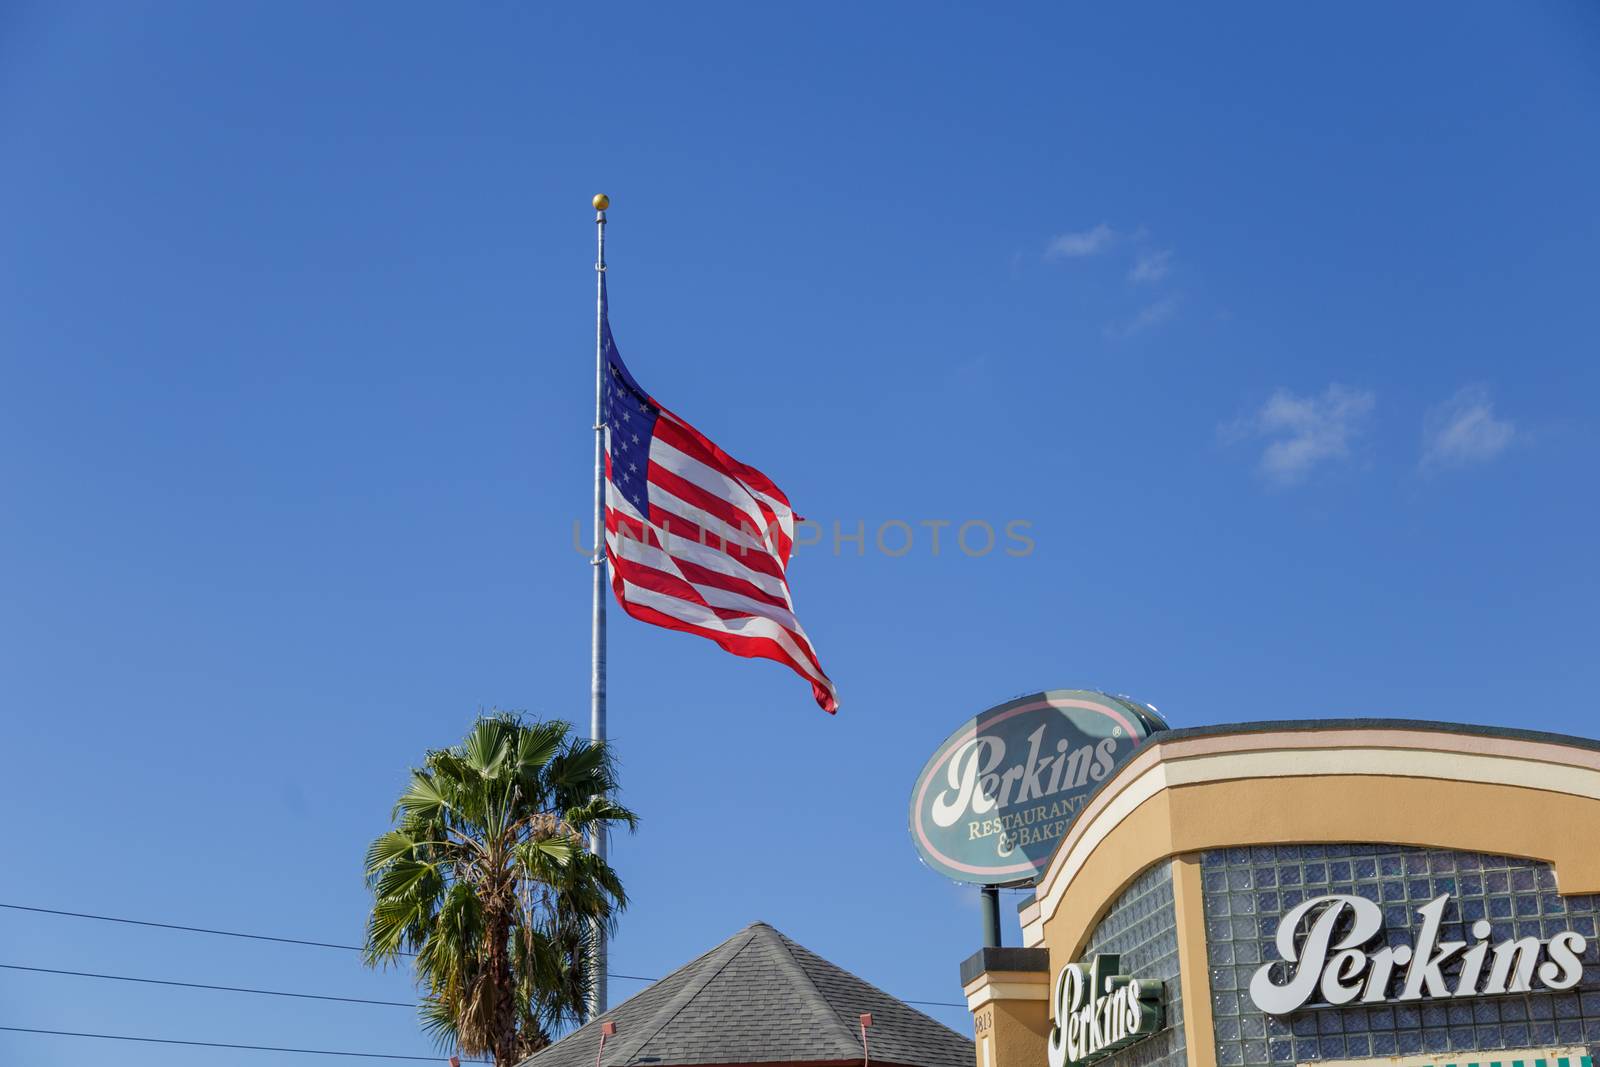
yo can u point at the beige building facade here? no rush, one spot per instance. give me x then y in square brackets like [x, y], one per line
[1264, 895]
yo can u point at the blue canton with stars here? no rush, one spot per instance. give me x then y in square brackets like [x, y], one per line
[631, 417]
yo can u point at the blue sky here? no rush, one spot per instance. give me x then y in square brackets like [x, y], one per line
[1275, 325]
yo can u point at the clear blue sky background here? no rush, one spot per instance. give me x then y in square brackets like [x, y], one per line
[1278, 325]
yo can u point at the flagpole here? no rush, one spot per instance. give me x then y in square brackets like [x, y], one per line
[597, 626]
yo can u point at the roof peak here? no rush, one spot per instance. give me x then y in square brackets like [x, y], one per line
[804, 984]
[710, 966]
[758, 997]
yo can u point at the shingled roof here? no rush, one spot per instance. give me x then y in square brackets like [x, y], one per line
[760, 998]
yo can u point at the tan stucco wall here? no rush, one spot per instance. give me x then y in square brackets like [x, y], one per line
[1010, 1017]
[1193, 980]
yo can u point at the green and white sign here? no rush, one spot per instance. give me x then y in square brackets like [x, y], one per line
[998, 795]
[1097, 1011]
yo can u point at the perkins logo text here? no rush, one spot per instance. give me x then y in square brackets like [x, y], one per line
[1098, 1011]
[1334, 961]
[978, 786]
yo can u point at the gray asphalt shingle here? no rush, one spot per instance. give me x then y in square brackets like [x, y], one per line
[760, 998]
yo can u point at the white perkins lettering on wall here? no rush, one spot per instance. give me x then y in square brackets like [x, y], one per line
[1332, 959]
[1098, 1011]
[977, 785]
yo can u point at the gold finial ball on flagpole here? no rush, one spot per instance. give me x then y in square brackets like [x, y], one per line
[601, 201]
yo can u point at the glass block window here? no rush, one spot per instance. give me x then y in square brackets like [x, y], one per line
[1247, 891]
[1512, 1058]
[1142, 928]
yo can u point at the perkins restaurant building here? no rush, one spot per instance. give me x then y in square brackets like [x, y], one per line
[1346, 892]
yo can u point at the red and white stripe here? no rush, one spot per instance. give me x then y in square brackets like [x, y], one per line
[710, 558]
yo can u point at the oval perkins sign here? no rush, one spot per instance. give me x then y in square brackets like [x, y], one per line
[993, 801]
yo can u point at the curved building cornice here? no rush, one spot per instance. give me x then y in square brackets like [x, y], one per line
[1505, 792]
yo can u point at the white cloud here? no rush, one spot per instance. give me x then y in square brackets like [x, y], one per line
[1151, 266]
[1076, 245]
[1463, 430]
[1304, 431]
[1148, 318]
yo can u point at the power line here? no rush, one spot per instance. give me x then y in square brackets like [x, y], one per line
[202, 985]
[222, 1044]
[228, 933]
[280, 940]
[189, 929]
[281, 992]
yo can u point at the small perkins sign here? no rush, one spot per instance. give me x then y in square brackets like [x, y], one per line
[998, 794]
[1098, 1011]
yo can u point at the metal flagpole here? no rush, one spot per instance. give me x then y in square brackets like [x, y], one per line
[597, 627]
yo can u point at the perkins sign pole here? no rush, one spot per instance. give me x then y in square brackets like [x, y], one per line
[991, 916]
[998, 795]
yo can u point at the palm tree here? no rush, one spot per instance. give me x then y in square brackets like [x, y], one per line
[486, 882]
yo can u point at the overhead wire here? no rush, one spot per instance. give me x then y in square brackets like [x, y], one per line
[228, 933]
[203, 985]
[229, 1045]
[273, 938]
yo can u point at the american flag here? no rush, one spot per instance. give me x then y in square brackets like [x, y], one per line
[697, 541]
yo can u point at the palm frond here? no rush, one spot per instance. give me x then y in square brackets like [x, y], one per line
[600, 810]
[438, 1018]
[542, 858]
[489, 744]
[582, 767]
[538, 744]
[389, 847]
[392, 924]
[402, 878]
[424, 799]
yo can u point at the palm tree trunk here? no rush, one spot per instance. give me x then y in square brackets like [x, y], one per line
[497, 930]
